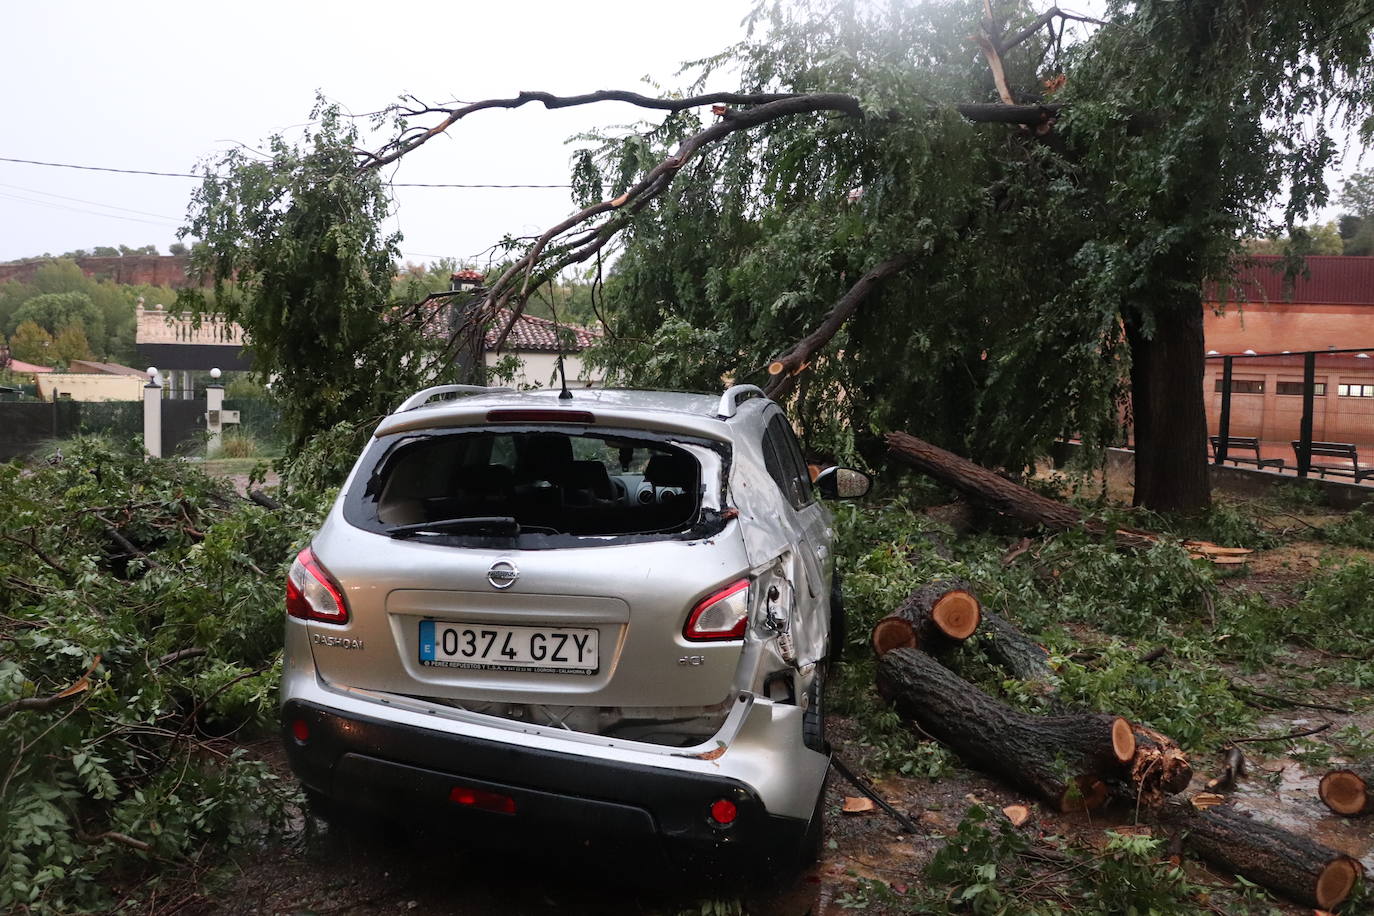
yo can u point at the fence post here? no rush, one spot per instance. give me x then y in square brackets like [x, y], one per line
[214, 407]
[1309, 394]
[152, 415]
[1224, 421]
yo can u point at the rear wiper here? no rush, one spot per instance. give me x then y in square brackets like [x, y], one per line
[484, 524]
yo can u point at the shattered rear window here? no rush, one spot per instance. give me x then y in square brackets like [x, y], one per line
[474, 486]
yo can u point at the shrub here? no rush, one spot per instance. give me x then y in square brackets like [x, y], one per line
[235, 444]
[111, 764]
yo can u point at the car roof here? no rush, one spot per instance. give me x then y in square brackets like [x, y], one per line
[667, 410]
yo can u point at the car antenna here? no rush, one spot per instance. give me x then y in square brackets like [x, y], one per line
[564, 394]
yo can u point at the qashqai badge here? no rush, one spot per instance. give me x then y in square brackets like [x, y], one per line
[502, 574]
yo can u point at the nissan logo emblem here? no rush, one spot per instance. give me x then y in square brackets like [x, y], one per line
[502, 574]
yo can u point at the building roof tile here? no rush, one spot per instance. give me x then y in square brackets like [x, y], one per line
[1329, 280]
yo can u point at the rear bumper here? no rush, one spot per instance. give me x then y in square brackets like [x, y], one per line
[402, 769]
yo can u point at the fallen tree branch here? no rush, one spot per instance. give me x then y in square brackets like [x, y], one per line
[124, 543]
[179, 655]
[786, 368]
[1261, 739]
[38, 552]
[115, 836]
[38, 704]
[262, 499]
[849, 775]
[417, 137]
[1286, 701]
[1017, 501]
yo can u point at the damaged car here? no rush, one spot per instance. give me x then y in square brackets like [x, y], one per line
[605, 617]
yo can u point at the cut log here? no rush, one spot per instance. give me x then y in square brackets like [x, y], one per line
[1017, 501]
[1065, 760]
[1349, 791]
[940, 611]
[1299, 868]
[1017, 814]
[1015, 652]
[996, 491]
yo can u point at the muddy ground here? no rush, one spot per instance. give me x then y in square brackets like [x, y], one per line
[373, 867]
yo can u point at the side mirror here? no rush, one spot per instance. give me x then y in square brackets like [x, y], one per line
[843, 483]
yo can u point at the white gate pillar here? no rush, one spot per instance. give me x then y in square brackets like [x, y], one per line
[214, 411]
[152, 415]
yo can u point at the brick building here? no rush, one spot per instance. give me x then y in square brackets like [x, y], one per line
[1330, 308]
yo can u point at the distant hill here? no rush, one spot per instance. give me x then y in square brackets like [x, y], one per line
[132, 270]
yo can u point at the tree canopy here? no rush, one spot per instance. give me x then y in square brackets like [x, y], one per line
[987, 241]
[298, 257]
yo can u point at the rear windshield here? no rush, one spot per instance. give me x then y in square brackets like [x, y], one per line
[534, 484]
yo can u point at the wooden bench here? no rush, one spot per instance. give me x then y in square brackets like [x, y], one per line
[1334, 450]
[1245, 443]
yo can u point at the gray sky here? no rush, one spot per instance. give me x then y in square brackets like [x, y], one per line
[159, 86]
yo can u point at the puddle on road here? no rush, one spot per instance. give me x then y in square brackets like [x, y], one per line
[1283, 792]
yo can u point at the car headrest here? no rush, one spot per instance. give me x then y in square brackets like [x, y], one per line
[675, 470]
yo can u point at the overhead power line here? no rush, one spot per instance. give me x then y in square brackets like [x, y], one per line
[394, 184]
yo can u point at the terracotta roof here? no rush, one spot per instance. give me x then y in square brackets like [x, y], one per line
[92, 366]
[18, 365]
[467, 274]
[531, 334]
[537, 334]
[1331, 280]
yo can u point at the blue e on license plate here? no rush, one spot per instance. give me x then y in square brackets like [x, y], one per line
[565, 650]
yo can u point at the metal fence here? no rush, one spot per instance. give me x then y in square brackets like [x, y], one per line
[1304, 413]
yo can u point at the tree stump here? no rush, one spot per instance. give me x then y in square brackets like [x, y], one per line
[940, 611]
[1349, 791]
[1066, 760]
[1295, 866]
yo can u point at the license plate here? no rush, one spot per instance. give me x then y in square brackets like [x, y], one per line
[564, 650]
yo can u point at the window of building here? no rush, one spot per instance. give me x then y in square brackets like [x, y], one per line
[1296, 388]
[1355, 391]
[1243, 386]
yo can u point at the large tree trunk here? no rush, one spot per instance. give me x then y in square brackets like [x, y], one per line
[1301, 869]
[996, 491]
[1066, 760]
[1167, 365]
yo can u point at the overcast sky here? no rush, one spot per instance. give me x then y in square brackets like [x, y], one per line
[159, 86]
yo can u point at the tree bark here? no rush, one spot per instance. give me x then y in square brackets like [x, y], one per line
[996, 491]
[939, 612]
[1295, 866]
[1167, 363]
[1065, 760]
[1349, 791]
[1015, 652]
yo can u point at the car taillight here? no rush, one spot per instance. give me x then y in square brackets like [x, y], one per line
[723, 615]
[312, 593]
[485, 801]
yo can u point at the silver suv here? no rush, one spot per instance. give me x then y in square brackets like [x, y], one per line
[611, 613]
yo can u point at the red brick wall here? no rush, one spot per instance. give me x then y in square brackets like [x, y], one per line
[135, 270]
